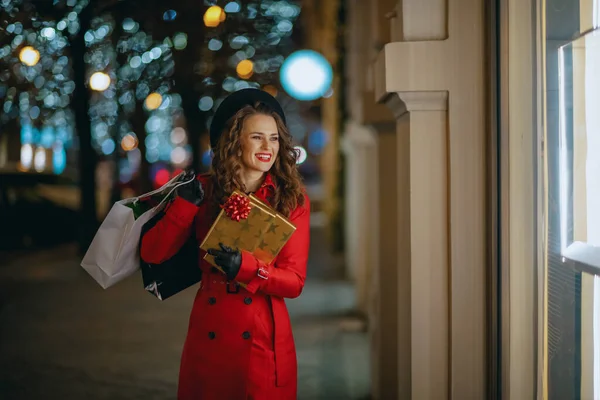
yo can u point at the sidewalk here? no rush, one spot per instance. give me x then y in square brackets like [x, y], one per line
[63, 337]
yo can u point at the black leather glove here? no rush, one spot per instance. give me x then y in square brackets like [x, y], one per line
[228, 259]
[192, 191]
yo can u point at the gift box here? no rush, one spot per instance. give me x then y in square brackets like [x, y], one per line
[247, 223]
[275, 236]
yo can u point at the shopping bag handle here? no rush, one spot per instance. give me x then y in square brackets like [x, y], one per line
[162, 188]
[175, 187]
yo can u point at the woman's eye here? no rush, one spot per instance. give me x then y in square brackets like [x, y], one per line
[275, 138]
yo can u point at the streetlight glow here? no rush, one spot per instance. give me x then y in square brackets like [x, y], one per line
[306, 75]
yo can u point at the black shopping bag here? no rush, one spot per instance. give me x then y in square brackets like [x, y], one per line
[174, 275]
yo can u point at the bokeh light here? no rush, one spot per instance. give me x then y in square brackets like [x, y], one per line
[29, 56]
[178, 135]
[214, 16]
[245, 69]
[306, 75]
[180, 41]
[161, 177]
[272, 90]
[39, 159]
[301, 154]
[317, 141]
[178, 155]
[205, 103]
[129, 65]
[153, 101]
[26, 156]
[215, 44]
[129, 142]
[207, 157]
[232, 7]
[59, 159]
[170, 15]
[99, 81]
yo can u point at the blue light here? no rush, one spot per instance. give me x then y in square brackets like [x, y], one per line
[306, 75]
[36, 136]
[108, 146]
[26, 134]
[215, 44]
[164, 152]
[64, 136]
[125, 172]
[232, 7]
[170, 15]
[317, 141]
[47, 137]
[207, 158]
[59, 159]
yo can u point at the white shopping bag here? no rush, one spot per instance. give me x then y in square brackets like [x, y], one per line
[113, 254]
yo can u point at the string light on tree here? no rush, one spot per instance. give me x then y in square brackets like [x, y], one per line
[178, 155]
[129, 142]
[99, 81]
[245, 69]
[153, 101]
[178, 135]
[29, 56]
[39, 159]
[26, 156]
[214, 16]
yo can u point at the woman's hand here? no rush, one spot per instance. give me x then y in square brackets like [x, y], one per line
[228, 259]
[191, 192]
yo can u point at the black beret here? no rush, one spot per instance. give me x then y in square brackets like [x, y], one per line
[235, 102]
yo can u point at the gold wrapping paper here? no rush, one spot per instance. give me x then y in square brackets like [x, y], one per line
[263, 233]
[275, 237]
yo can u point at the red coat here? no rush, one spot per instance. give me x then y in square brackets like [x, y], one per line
[239, 344]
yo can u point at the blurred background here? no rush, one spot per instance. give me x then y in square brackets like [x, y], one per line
[104, 100]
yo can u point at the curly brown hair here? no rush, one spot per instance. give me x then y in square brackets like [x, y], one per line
[226, 163]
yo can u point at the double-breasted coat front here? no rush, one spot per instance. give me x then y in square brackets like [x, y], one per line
[239, 344]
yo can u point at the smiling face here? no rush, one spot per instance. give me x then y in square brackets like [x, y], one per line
[260, 143]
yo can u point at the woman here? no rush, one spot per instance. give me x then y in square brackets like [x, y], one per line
[239, 343]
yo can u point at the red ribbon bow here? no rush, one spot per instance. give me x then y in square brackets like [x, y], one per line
[237, 207]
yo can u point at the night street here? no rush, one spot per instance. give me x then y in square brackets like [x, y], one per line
[63, 337]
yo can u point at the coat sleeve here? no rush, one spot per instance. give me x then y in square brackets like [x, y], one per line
[169, 234]
[286, 277]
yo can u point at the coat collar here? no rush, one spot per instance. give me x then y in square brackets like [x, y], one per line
[268, 182]
[266, 189]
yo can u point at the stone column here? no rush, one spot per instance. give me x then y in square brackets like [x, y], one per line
[359, 147]
[371, 193]
[433, 80]
[423, 251]
[382, 293]
[383, 314]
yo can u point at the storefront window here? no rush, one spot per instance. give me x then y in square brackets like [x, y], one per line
[572, 151]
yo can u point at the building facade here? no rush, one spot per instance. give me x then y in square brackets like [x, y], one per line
[470, 187]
